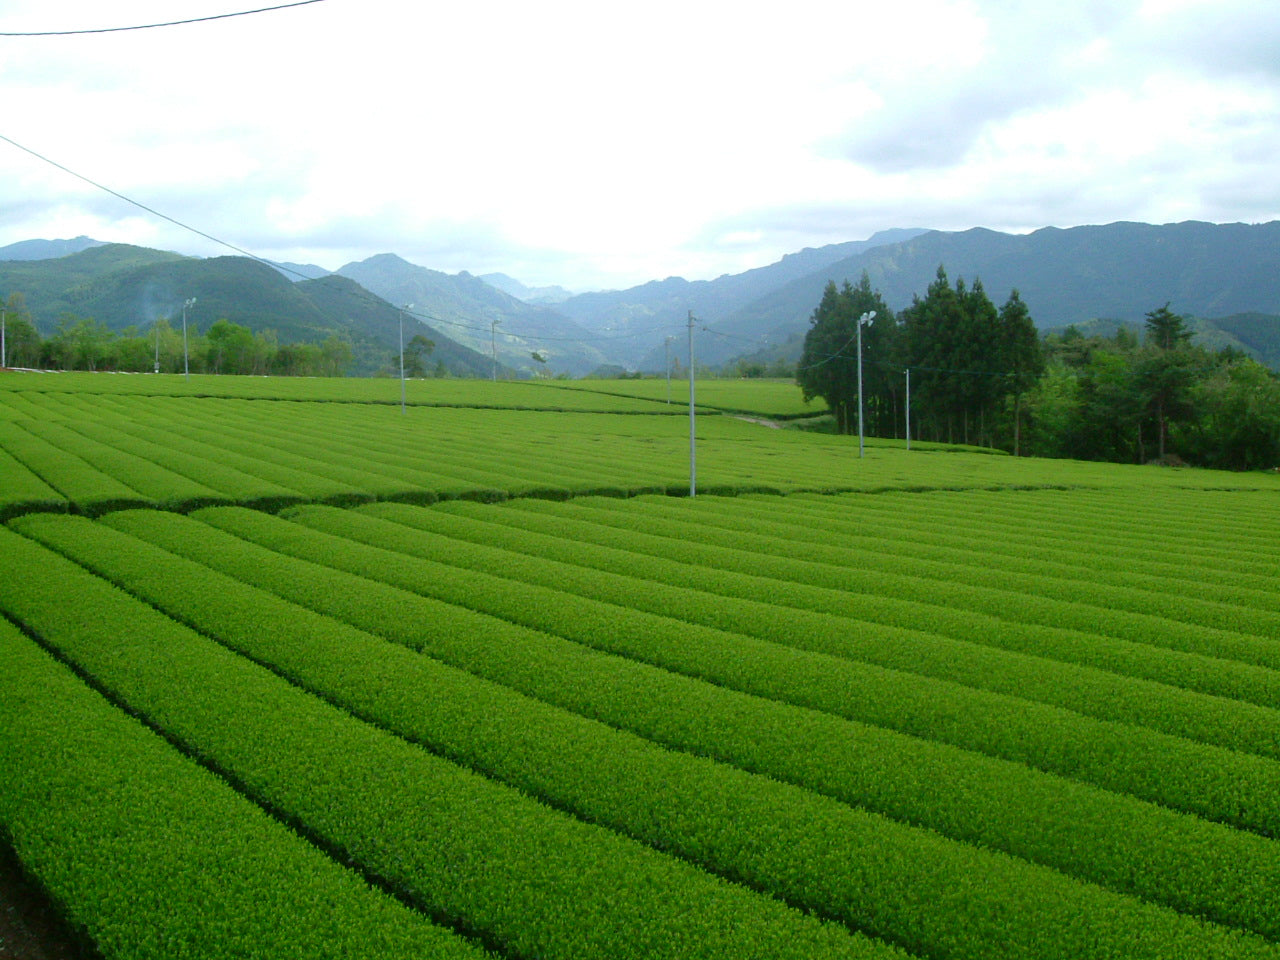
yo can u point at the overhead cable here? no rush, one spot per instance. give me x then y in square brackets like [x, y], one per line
[151, 26]
[154, 213]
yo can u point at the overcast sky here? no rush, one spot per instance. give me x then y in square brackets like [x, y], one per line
[593, 144]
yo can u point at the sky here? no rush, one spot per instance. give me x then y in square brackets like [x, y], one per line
[599, 146]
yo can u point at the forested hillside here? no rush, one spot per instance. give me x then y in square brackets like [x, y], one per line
[953, 367]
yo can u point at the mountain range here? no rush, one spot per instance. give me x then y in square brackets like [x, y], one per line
[123, 286]
[1116, 272]
[1226, 276]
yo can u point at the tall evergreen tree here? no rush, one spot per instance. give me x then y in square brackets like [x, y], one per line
[829, 362]
[979, 359]
[928, 325]
[1163, 372]
[1020, 355]
[1167, 330]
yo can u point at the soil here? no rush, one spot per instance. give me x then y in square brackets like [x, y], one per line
[30, 928]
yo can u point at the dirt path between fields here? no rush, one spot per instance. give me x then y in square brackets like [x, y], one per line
[29, 926]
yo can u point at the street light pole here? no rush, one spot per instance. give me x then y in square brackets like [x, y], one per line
[4, 347]
[186, 366]
[862, 322]
[156, 324]
[407, 307]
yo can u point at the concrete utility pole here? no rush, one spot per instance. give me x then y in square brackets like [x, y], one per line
[862, 322]
[908, 408]
[4, 347]
[493, 346]
[693, 443]
[157, 326]
[667, 350]
[186, 367]
[407, 307]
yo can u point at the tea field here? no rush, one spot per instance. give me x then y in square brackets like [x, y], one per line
[288, 672]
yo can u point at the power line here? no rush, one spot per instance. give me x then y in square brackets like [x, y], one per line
[151, 26]
[153, 212]
[419, 315]
[621, 336]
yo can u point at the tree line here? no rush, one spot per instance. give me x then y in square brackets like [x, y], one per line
[983, 375]
[82, 343]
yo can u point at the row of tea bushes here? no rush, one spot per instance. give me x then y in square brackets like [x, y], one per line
[798, 845]
[488, 859]
[1090, 833]
[150, 856]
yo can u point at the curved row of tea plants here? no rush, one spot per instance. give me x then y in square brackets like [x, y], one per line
[834, 622]
[1061, 520]
[814, 852]
[525, 878]
[829, 565]
[150, 856]
[1087, 832]
[969, 647]
[922, 527]
[830, 542]
[1219, 784]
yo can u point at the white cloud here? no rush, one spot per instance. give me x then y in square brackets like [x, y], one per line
[589, 144]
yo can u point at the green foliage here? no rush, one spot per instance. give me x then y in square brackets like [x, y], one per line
[22, 342]
[415, 355]
[153, 857]
[611, 778]
[1165, 329]
[638, 727]
[966, 359]
[121, 287]
[525, 877]
[1165, 400]
[828, 365]
[1259, 333]
[961, 644]
[1119, 758]
[1239, 423]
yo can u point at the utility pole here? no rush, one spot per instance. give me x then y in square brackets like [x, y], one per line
[862, 322]
[667, 349]
[4, 348]
[156, 324]
[186, 367]
[908, 408]
[693, 443]
[493, 346]
[405, 309]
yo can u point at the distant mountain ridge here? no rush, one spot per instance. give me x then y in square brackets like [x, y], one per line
[644, 316]
[1227, 275]
[1118, 271]
[542, 295]
[46, 249]
[481, 316]
[122, 286]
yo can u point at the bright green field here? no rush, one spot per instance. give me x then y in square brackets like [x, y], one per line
[766, 398]
[466, 680]
[518, 395]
